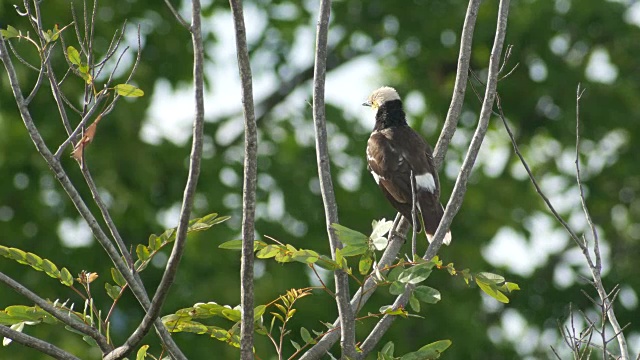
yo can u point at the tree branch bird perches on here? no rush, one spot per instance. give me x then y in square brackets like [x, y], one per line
[394, 152]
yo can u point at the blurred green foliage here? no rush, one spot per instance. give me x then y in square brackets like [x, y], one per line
[416, 45]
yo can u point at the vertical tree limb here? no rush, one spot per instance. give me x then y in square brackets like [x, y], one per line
[171, 268]
[347, 323]
[462, 75]
[596, 269]
[249, 184]
[459, 190]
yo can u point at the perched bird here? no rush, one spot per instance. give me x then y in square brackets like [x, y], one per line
[394, 151]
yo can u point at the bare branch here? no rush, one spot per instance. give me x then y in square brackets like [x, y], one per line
[36, 87]
[189, 194]
[597, 268]
[462, 76]
[596, 240]
[347, 323]
[35, 343]
[20, 58]
[249, 183]
[179, 17]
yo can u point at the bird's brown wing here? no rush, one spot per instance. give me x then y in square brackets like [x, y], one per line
[392, 154]
[391, 171]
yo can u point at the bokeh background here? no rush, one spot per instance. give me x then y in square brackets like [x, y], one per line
[140, 153]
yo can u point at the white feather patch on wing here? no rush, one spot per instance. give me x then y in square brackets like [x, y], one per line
[376, 177]
[426, 181]
[446, 240]
[369, 157]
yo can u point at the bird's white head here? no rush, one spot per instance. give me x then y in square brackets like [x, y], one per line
[380, 96]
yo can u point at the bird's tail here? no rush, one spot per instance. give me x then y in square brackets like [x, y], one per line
[431, 220]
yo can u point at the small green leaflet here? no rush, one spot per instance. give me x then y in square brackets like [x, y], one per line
[128, 90]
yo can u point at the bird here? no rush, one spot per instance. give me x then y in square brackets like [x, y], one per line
[395, 151]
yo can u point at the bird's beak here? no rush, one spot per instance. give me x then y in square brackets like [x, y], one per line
[366, 103]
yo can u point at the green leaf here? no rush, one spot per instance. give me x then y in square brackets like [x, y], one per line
[428, 352]
[232, 314]
[416, 274]
[354, 250]
[388, 348]
[11, 32]
[490, 277]
[489, 289]
[112, 290]
[395, 272]
[258, 312]
[142, 352]
[50, 268]
[155, 243]
[65, 277]
[327, 263]
[128, 90]
[74, 56]
[305, 256]
[396, 288]
[388, 310]
[142, 252]
[18, 255]
[364, 265]
[295, 345]
[350, 237]
[414, 303]
[233, 245]
[306, 336]
[340, 260]
[117, 277]
[35, 261]
[190, 326]
[268, 251]
[427, 294]
[509, 287]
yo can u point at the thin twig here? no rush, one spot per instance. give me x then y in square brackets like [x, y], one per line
[179, 17]
[462, 76]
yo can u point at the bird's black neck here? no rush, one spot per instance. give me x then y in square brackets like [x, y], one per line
[390, 114]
